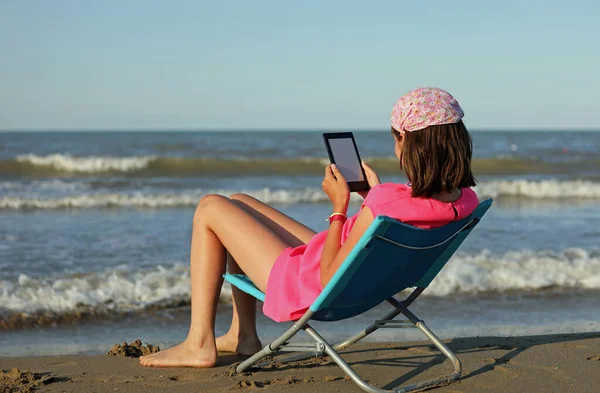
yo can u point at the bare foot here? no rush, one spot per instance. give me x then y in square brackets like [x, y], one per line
[182, 355]
[233, 343]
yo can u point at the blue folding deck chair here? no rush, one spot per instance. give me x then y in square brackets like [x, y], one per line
[390, 257]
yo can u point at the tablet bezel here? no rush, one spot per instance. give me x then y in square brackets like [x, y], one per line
[354, 186]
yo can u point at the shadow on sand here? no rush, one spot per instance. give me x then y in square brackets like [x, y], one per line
[425, 356]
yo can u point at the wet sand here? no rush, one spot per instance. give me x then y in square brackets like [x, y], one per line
[548, 363]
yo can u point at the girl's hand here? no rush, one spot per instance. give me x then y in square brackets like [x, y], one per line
[372, 178]
[336, 188]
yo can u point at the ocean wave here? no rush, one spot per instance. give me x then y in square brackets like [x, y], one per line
[526, 189]
[141, 200]
[68, 165]
[118, 290]
[122, 290]
[42, 185]
[519, 271]
[57, 164]
[540, 189]
[88, 164]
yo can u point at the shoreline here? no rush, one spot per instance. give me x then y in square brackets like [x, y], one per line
[544, 363]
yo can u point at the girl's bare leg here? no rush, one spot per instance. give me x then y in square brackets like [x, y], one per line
[242, 337]
[289, 229]
[219, 224]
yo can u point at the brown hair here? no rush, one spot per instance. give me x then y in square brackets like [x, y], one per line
[437, 158]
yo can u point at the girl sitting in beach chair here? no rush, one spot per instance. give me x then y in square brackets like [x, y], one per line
[289, 262]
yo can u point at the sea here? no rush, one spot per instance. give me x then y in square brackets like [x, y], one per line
[95, 232]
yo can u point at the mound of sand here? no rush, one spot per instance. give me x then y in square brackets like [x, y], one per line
[17, 381]
[133, 350]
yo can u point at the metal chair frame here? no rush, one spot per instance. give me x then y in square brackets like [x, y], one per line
[320, 346]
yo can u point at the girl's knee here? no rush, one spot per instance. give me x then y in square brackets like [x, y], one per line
[240, 197]
[207, 204]
[211, 199]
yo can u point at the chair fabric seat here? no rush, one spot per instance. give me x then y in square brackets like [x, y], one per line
[245, 284]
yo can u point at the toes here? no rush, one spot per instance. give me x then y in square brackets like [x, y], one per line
[144, 360]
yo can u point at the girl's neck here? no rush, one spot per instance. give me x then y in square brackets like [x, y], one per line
[448, 197]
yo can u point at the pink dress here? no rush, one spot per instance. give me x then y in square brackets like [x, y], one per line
[295, 279]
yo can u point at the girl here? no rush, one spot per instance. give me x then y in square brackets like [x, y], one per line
[290, 262]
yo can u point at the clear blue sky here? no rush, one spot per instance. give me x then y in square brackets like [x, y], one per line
[294, 64]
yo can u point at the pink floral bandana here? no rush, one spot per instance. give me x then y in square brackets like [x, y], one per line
[424, 107]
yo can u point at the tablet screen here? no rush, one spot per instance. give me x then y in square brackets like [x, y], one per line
[346, 159]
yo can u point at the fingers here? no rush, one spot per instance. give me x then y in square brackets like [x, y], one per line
[336, 172]
[328, 172]
[333, 173]
[336, 188]
[372, 176]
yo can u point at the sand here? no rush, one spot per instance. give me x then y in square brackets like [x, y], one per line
[133, 350]
[549, 363]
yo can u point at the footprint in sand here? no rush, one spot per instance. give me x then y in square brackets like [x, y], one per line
[246, 383]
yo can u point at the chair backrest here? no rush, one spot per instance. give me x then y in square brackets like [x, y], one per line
[390, 257]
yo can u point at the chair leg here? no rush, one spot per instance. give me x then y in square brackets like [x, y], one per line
[402, 389]
[368, 330]
[391, 315]
[342, 364]
[300, 356]
[445, 350]
[276, 344]
[266, 351]
[344, 344]
[302, 324]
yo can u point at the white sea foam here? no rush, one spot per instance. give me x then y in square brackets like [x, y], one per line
[87, 164]
[99, 164]
[544, 189]
[100, 200]
[519, 270]
[10, 185]
[541, 189]
[142, 200]
[42, 185]
[121, 289]
[118, 289]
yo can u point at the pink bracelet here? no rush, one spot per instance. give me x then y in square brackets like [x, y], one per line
[337, 217]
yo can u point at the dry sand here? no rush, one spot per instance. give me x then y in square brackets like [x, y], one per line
[550, 363]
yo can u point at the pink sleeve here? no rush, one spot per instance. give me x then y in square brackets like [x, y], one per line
[383, 198]
[374, 200]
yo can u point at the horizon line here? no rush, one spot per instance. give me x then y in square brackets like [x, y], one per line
[274, 129]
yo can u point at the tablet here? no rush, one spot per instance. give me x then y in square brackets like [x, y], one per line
[343, 152]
